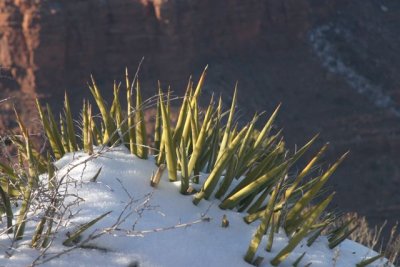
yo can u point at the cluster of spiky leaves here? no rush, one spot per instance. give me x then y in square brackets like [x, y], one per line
[21, 182]
[247, 169]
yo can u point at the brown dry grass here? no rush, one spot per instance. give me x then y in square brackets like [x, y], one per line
[372, 236]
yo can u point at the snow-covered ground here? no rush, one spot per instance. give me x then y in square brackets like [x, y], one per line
[153, 226]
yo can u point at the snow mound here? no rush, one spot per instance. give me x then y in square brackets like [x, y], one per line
[153, 226]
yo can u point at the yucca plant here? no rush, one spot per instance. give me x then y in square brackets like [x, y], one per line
[302, 232]
[169, 144]
[6, 203]
[109, 125]
[73, 237]
[130, 117]
[248, 170]
[268, 214]
[141, 135]
[32, 179]
[368, 261]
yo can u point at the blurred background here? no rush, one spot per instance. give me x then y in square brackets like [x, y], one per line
[334, 64]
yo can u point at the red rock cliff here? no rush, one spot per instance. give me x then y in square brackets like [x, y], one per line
[51, 46]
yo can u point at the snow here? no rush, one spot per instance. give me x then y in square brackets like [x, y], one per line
[162, 227]
[331, 59]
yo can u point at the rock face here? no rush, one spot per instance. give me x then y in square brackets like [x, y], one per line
[19, 40]
[51, 46]
[333, 64]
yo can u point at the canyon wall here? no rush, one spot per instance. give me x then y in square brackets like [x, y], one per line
[52, 46]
